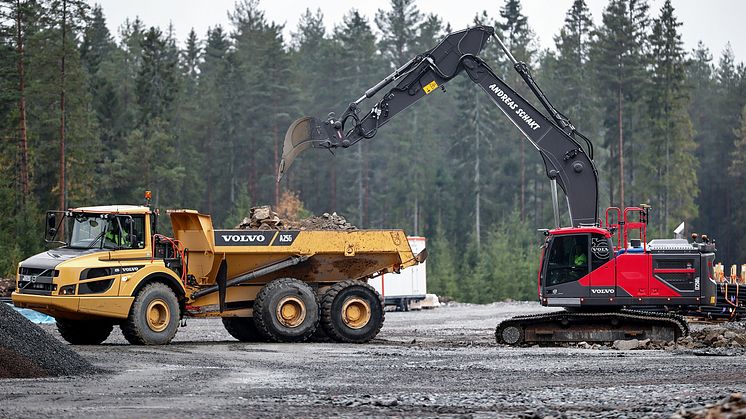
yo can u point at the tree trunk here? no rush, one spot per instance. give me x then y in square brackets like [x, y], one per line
[277, 162]
[523, 179]
[366, 189]
[360, 187]
[23, 139]
[333, 187]
[610, 165]
[477, 190]
[63, 190]
[621, 148]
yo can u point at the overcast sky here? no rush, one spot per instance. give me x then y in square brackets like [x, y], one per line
[715, 22]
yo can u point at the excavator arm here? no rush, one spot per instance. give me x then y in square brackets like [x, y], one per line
[567, 163]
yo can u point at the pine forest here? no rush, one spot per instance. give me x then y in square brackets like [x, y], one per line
[90, 117]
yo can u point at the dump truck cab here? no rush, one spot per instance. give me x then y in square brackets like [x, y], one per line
[104, 251]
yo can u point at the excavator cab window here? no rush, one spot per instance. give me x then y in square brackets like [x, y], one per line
[568, 259]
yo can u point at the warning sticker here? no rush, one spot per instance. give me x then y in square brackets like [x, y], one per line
[430, 87]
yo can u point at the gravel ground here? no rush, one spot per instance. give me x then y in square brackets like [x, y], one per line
[441, 362]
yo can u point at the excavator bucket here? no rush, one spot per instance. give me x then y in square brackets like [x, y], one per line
[298, 138]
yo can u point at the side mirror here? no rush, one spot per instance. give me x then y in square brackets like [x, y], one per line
[133, 240]
[51, 220]
[51, 232]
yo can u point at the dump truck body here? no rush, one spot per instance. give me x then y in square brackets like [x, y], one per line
[209, 272]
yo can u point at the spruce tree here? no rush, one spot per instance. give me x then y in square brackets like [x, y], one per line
[619, 64]
[399, 29]
[671, 183]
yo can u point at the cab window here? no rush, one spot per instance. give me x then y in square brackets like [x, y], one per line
[568, 259]
[138, 229]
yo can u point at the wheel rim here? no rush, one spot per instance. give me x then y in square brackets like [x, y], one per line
[158, 315]
[356, 313]
[291, 311]
[511, 335]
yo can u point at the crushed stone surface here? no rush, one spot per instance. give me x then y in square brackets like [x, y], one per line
[733, 406]
[27, 351]
[431, 363]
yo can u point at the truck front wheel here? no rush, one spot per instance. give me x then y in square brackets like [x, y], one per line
[84, 332]
[154, 316]
[352, 311]
[286, 310]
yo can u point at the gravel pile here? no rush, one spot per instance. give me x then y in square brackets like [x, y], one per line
[27, 351]
[263, 218]
[733, 406]
[7, 286]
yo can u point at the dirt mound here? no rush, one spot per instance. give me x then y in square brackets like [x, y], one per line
[733, 406]
[27, 351]
[263, 218]
[7, 286]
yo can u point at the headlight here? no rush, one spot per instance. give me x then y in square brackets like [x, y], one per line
[68, 290]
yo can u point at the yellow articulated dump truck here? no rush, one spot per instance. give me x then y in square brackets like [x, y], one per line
[112, 268]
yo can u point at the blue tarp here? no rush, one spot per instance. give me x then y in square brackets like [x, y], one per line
[35, 316]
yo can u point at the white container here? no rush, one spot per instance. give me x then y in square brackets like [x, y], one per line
[409, 286]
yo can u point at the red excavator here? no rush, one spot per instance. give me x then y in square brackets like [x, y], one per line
[612, 282]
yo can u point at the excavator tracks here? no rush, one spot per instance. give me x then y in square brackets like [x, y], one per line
[568, 326]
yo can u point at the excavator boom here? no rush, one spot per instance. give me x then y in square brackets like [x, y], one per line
[566, 162]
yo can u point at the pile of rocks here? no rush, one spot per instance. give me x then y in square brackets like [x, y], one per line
[27, 351]
[728, 339]
[7, 286]
[263, 218]
[733, 406]
[732, 335]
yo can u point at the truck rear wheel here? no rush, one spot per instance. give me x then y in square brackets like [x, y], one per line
[286, 310]
[243, 329]
[84, 332]
[352, 311]
[154, 316]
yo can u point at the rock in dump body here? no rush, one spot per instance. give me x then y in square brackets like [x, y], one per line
[7, 286]
[263, 218]
[27, 351]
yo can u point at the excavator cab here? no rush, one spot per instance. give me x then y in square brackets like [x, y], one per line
[613, 265]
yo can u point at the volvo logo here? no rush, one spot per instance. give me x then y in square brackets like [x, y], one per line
[243, 238]
[602, 290]
[600, 248]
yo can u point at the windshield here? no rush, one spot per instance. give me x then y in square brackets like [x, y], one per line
[107, 231]
[88, 231]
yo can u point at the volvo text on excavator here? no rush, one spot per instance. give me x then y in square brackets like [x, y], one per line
[604, 273]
